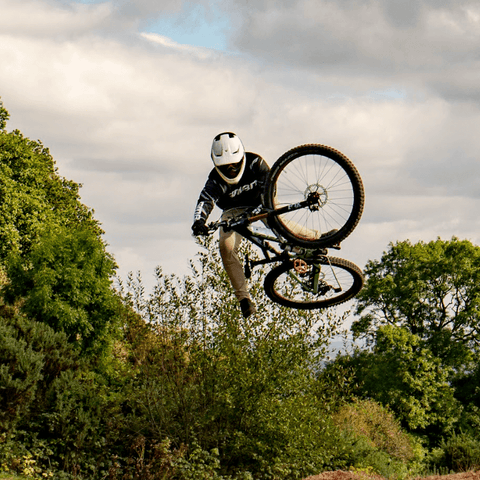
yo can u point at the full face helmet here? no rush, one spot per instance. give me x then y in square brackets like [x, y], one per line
[228, 155]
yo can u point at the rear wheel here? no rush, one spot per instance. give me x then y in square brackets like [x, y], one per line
[317, 283]
[332, 185]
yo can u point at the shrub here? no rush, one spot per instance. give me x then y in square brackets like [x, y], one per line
[375, 440]
[22, 453]
[459, 453]
[52, 410]
[205, 377]
[32, 355]
[64, 281]
[20, 372]
[378, 426]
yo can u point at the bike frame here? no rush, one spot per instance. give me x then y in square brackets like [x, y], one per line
[240, 225]
[262, 241]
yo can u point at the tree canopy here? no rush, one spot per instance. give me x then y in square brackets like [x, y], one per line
[419, 313]
[33, 196]
[431, 289]
[404, 374]
[51, 247]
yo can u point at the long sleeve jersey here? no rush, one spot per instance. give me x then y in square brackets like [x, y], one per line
[246, 193]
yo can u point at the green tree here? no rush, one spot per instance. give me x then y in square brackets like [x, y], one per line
[51, 247]
[431, 289]
[65, 282]
[401, 372]
[32, 194]
[244, 389]
[4, 116]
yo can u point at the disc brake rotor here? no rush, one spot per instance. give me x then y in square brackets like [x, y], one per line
[319, 193]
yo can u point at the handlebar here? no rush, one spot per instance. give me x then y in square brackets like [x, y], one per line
[242, 219]
[214, 226]
[225, 224]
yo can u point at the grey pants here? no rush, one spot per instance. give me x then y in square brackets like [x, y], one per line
[229, 245]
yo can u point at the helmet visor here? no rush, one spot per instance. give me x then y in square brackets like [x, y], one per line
[231, 170]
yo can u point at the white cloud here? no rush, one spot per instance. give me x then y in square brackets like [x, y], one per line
[416, 42]
[200, 52]
[42, 19]
[131, 114]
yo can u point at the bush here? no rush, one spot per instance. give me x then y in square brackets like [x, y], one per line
[32, 355]
[52, 409]
[459, 453]
[24, 454]
[377, 441]
[246, 390]
[20, 372]
[64, 281]
[378, 426]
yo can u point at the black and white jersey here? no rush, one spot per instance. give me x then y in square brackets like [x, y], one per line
[246, 193]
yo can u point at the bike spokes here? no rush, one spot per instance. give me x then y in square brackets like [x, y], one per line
[311, 284]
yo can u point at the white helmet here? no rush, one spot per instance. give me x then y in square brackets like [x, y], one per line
[228, 155]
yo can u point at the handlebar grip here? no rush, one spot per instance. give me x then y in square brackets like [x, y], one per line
[212, 227]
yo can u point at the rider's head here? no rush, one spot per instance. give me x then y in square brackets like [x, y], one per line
[228, 156]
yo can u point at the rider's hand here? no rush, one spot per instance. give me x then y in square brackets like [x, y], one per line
[200, 228]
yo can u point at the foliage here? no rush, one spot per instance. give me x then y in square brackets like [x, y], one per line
[459, 453]
[402, 374]
[51, 407]
[204, 376]
[467, 391]
[20, 372]
[52, 257]
[31, 461]
[369, 419]
[193, 389]
[64, 281]
[4, 115]
[377, 441]
[433, 290]
[33, 196]
[32, 355]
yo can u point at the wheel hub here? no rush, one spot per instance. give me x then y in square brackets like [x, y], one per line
[317, 195]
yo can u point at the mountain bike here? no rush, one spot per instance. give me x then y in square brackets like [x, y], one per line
[312, 200]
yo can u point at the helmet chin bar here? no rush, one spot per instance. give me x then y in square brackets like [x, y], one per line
[232, 180]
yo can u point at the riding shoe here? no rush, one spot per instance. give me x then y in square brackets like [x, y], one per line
[248, 307]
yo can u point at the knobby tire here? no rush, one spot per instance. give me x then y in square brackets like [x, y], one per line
[285, 289]
[322, 171]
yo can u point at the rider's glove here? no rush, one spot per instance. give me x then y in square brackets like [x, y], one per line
[200, 228]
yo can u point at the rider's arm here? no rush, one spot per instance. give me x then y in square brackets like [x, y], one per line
[206, 201]
[260, 170]
[261, 167]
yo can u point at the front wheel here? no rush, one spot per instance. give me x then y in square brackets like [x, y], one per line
[330, 183]
[314, 283]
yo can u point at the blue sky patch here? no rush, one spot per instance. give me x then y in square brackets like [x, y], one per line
[194, 25]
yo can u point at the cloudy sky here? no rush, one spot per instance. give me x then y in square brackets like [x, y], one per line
[128, 94]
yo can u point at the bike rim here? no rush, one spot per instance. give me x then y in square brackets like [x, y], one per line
[327, 182]
[320, 285]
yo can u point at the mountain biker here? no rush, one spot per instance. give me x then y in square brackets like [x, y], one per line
[234, 184]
